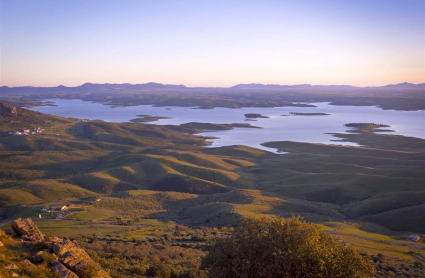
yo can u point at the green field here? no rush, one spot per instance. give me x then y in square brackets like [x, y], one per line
[136, 182]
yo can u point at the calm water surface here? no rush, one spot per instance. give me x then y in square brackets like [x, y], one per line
[311, 129]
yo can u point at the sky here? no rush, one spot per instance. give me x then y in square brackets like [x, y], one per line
[214, 43]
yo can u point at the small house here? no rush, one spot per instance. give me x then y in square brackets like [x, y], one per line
[59, 207]
[414, 238]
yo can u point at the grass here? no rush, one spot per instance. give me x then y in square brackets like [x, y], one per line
[95, 214]
[374, 243]
[98, 181]
[408, 219]
[152, 178]
[12, 197]
[50, 190]
[392, 251]
[353, 229]
[74, 228]
[121, 161]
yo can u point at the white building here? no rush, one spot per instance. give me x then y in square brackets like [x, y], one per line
[414, 237]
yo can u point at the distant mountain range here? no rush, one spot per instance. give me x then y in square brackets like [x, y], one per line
[404, 85]
[92, 88]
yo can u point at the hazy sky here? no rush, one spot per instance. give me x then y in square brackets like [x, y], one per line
[212, 43]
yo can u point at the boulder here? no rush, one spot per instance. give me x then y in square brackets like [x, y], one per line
[63, 271]
[27, 230]
[74, 257]
[37, 257]
[1, 244]
[27, 264]
[11, 266]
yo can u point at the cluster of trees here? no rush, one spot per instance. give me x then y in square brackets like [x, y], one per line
[284, 248]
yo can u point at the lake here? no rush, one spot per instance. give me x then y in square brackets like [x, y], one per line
[312, 129]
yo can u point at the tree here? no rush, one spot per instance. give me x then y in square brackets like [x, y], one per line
[284, 248]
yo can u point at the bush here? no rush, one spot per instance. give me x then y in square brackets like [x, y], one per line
[41, 271]
[88, 271]
[284, 248]
[48, 258]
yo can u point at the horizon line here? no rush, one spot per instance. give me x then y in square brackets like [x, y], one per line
[214, 87]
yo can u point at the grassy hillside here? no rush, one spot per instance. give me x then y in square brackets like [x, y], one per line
[219, 209]
[89, 158]
[75, 160]
[12, 117]
[382, 180]
[155, 192]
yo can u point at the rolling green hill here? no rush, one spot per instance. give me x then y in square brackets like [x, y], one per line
[149, 192]
[73, 160]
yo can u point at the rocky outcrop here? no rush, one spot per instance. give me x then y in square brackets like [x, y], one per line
[27, 230]
[63, 271]
[74, 257]
[69, 260]
[11, 266]
[27, 264]
[8, 110]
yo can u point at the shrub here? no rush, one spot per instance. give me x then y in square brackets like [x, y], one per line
[284, 248]
[41, 271]
[48, 258]
[88, 271]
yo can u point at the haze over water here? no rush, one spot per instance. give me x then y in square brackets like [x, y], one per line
[313, 129]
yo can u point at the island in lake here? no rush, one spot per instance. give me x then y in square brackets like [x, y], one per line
[307, 114]
[255, 115]
[147, 118]
[204, 107]
[210, 126]
[367, 127]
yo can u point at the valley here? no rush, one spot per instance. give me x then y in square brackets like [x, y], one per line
[144, 184]
[136, 182]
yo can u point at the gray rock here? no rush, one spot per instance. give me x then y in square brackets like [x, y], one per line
[63, 271]
[27, 230]
[11, 266]
[74, 257]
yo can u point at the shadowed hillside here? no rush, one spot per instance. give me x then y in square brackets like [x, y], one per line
[113, 185]
[83, 159]
[382, 180]
[12, 117]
